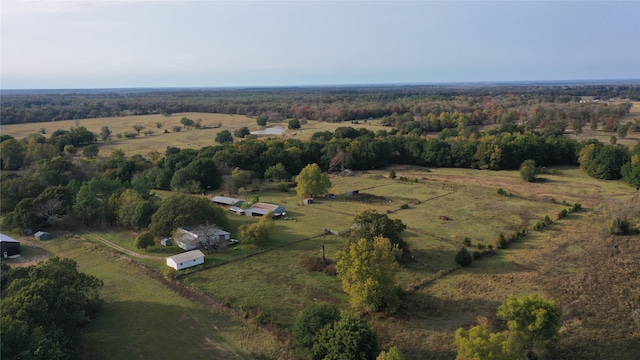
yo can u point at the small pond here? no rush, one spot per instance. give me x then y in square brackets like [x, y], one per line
[276, 130]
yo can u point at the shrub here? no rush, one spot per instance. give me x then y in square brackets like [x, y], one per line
[490, 247]
[562, 213]
[576, 207]
[477, 255]
[392, 174]
[480, 246]
[547, 220]
[502, 242]
[330, 269]
[170, 273]
[309, 323]
[282, 187]
[501, 192]
[466, 241]
[463, 257]
[404, 206]
[312, 264]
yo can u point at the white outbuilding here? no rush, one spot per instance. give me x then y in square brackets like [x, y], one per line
[186, 259]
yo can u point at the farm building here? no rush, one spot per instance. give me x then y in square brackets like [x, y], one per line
[259, 209]
[9, 246]
[165, 242]
[237, 210]
[185, 260]
[308, 201]
[42, 235]
[201, 236]
[227, 201]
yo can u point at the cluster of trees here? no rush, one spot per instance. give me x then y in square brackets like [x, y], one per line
[118, 189]
[321, 332]
[533, 323]
[327, 104]
[43, 308]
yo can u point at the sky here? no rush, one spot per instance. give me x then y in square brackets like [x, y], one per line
[59, 44]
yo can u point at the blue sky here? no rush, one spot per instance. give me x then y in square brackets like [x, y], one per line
[138, 43]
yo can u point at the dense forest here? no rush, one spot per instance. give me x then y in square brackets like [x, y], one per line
[480, 103]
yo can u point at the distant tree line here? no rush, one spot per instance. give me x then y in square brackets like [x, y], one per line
[478, 103]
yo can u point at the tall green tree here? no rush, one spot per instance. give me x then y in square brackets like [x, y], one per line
[367, 270]
[528, 170]
[480, 343]
[310, 322]
[394, 353]
[224, 137]
[312, 181]
[185, 210]
[12, 154]
[144, 240]
[42, 308]
[93, 197]
[259, 233]
[608, 162]
[371, 224]
[533, 323]
[346, 339]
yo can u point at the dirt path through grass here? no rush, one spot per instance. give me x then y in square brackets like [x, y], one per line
[116, 247]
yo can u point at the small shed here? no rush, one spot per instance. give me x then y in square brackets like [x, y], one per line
[42, 235]
[308, 201]
[165, 242]
[186, 260]
[9, 246]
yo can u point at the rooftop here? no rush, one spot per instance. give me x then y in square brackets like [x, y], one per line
[186, 256]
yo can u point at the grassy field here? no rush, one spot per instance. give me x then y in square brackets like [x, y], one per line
[143, 319]
[574, 260]
[594, 276]
[159, 140]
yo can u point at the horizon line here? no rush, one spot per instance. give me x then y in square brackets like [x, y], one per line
[354, 85]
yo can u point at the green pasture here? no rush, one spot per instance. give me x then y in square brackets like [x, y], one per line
[143, 319]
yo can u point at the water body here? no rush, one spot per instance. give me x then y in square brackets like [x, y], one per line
[276, 130]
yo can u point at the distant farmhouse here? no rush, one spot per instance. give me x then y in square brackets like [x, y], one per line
[9, 246]
[227, 201]
[185, 260]
[257, 209]
[207, 237]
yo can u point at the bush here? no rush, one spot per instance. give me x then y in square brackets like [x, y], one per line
[547, 220]
[170, 273]
[562, 213]
[576, 207]
[501, 242]
[282, 187]
[404, 206]
[312, 264]
[477, 255]
[463, 257]
[480, 246]
[309, 322]
[466, 241]
[392, 174]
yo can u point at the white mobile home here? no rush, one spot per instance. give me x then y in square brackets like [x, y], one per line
[186, 260]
